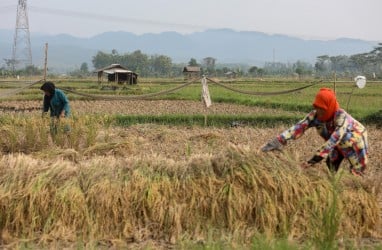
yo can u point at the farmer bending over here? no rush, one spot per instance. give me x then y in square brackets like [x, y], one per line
[345, 137]
[56, 101]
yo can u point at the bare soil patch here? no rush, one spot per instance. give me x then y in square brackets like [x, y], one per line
[142, 107]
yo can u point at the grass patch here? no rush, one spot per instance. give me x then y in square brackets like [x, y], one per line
[201, 120]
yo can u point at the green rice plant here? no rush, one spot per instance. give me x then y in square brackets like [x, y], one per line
[212, 120]
[327, 221]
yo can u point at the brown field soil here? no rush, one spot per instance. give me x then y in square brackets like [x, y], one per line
[142, 107]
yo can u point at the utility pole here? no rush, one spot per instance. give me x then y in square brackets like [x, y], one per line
[46, 61]
[21, 52]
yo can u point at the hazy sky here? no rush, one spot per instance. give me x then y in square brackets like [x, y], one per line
[309, 19]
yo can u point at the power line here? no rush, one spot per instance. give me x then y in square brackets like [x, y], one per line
[7, 8]
[106, 18]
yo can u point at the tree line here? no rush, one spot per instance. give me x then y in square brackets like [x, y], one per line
[368, 64]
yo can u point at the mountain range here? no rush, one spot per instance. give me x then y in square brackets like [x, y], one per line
[66, 52]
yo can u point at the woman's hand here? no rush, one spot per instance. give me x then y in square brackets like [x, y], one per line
[315, 159]
[273, 144]
[305, 165]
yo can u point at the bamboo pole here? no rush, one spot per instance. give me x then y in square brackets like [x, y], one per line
[335, 78]
[46, 61]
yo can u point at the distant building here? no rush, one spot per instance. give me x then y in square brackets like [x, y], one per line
[230, 74]
[117, 73]
[190, 72]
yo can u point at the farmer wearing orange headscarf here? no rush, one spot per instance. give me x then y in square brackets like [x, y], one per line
[345, 137]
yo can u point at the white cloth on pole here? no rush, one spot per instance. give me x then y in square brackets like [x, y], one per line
[360, 81]
[205, 93]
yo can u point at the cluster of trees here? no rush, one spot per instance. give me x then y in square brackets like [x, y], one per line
[7, 71]
[144, 65]
[368, 64]
[157, 65]
[83, 71]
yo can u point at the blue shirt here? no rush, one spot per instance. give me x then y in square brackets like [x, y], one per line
[58, 103]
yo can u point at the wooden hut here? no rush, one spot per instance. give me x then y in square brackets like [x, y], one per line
[190, 72]
[230, 74]
[117, 73]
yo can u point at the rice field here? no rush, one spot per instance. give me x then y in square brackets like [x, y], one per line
[161, 186]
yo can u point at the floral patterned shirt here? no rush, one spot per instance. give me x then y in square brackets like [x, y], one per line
[335, 131]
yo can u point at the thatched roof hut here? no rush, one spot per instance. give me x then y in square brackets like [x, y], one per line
[117, 73]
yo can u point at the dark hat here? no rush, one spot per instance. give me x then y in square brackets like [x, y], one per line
[48, 87]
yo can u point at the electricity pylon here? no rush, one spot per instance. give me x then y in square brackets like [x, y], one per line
[21, 52]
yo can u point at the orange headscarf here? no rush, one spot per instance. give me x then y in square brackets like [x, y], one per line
[326, 99]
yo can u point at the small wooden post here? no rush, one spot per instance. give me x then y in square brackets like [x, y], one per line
[335, 78]
[205, 117]
[46, 61]
[206, 99]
